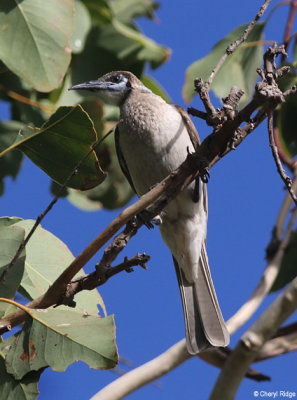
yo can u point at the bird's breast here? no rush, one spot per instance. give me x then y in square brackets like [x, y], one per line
[153, 141]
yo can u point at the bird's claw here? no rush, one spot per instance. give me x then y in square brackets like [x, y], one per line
[147, 221]
[205, 176]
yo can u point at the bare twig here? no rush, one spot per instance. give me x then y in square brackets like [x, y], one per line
[248, 347]
[266, 282]
[99, 277]
[287, 180]
[233, 46]
[213, 117]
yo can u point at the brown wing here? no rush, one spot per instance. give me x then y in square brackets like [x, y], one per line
[121, 158]
[193, 134]
[192, 131]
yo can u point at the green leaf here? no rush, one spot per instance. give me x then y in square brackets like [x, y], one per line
[100, 11]
[59, 146]
[289, 79]
[286, 123]
[127, 42]
[13, 389]
[10, 163]
[46, 258]
[11, 238]
[9, 133]
[35, 37]
[96, 60]
[82, 27]
[114, 192]
[57, 338]
[288, 268]
[82, 201]
[238, 70]
[126, 10]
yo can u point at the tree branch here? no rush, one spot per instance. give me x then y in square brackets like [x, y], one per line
[99, 277]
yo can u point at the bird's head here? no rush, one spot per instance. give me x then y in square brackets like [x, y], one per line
[114, 87]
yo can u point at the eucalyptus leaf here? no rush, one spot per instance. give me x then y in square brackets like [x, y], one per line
[57, 338]
[46, 258]
[11, 238]
[60, 144]
[126, 10]
[35, 30]
[288, 268]
[100, 11]
[82, 27]
[10, 163]
[114, 192]
[13, 389]
[241, 66]
[286, 123]
[128, 43]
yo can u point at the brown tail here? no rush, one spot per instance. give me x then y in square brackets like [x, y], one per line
[205, 326]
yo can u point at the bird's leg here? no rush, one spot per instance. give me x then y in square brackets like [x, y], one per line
[196, 191]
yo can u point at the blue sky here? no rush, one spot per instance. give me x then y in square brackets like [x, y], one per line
[245, 194]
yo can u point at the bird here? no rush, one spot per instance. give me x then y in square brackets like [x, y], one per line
[152, 139]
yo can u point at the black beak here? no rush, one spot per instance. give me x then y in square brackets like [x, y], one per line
[91, 85]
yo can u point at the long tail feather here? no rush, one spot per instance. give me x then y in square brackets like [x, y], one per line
[205, 326]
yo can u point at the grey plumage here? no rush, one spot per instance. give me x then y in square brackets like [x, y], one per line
[152, 139]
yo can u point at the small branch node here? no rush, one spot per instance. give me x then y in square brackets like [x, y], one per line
[282, 71]
[197, 113]
[290, 91]
[251, 341]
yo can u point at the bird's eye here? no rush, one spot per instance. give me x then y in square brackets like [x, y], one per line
[116, 78]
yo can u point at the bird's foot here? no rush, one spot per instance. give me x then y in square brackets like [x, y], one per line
[204, 175]
[146, 219]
